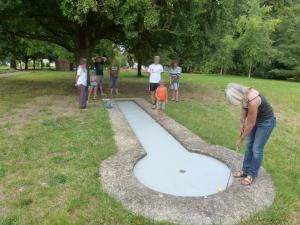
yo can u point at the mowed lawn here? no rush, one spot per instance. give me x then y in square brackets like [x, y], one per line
[50, 152]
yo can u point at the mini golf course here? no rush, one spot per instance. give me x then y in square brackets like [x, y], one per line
[165, 172]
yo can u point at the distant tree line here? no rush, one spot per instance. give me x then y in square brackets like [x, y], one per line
[251, 37]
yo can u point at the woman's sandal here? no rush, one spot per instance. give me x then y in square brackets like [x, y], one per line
[239, 174]
[247, 180]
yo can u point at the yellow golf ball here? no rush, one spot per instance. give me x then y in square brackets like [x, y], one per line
[220, 189]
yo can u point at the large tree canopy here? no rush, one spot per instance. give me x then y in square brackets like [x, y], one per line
[79, 25]
[260, 37]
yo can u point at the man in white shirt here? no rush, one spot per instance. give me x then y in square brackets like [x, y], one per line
[154, 70]
[81, 83]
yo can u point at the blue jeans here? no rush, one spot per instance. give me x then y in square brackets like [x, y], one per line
[256, 142]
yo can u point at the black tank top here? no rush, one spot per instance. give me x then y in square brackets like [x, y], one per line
[265, 110]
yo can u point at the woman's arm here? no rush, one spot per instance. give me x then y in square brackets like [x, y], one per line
[243, 120]
[251, 121]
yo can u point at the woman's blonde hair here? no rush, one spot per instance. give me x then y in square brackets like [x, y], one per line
[236, 94]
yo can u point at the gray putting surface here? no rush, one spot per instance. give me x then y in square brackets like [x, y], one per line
[124, 174]
[168, 167]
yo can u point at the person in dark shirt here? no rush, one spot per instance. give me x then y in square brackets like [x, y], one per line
[99, 66]
[256, 124]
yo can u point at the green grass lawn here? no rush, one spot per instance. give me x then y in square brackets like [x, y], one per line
[50, 152]
[6, 69]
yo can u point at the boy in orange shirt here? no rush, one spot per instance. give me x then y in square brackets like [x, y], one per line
[161, 95]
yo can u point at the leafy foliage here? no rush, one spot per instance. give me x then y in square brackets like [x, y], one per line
[255, 29]
[255, 36]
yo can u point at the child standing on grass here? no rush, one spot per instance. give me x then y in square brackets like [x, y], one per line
[114, 70]
[81, 83]
[175, 72]
[93, 83]
[161, 95]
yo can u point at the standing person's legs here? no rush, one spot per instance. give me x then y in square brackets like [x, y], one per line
[79, 94]
[153, 97]
[111, 84]
[86, 95]
[90, 92]
[262, 135]
[249, 153]
[159, 110]
[82, 96]
[95, 92]
[153, 87]
[173, 90]
[176, 93]
[100, 83]
[116, 85]
[173, 95]
[101, 87]
[160, 107]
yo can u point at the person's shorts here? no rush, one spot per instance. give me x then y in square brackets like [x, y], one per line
[174, 85]
[99, 78]
[153, 86]
[93, 84]
[160, 105]
[113, 82]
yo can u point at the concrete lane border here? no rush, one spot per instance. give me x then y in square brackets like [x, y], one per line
[227, 207]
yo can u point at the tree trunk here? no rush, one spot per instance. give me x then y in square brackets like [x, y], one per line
[20, 65]
[83, 53]
[221, 71]
[139, 68]
[250, 69]
[34, 64]
[42, 64]
[13, 63]
[71, 66]
[26, 64]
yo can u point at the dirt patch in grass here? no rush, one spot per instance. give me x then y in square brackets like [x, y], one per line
[294, 121]
[295, 217]
[51, 105]
[134, 89]
[199, 93]
[200, 97]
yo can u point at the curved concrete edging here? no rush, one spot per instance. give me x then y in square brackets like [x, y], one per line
[227, 207]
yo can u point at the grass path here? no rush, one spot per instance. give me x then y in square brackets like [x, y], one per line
[50, 152]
